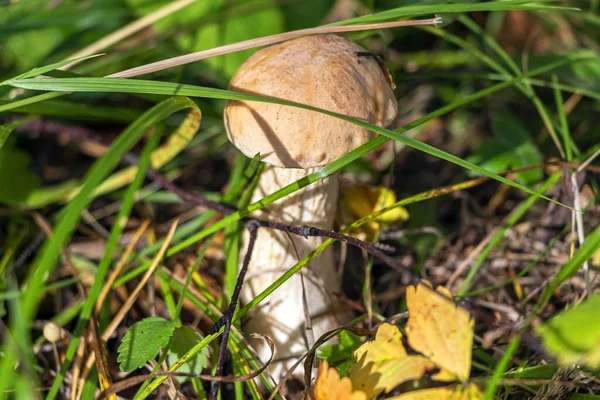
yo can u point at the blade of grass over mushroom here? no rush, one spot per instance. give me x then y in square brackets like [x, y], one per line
[47, 256]
[331, 168]
[154, 87]
[314, 177]
[514, 217]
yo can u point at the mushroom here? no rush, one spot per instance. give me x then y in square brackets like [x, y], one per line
[328, 72]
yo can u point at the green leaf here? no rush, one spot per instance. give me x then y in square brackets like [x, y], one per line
[341, 354]
[14, 174]
[142, 342]
[183, 339]
[573, 336]
[510, 147]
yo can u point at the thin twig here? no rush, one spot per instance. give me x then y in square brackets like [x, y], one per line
[262, 41]
[226, 319]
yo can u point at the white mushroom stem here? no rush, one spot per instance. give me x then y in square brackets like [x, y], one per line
[283, 317]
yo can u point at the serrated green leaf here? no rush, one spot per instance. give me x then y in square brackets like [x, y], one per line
[143, 341]
[573, 336]
[183, 339]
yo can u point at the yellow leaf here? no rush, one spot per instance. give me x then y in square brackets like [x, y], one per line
[385, 198]
[439, 329]
[383, 363]
[362, 200]
[518, 289]
[329, 386]
[469, 392]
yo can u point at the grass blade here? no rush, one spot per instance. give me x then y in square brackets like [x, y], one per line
[119, 85]
[48, 68]
[589, 247]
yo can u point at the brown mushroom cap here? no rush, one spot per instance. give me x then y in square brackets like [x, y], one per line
[323, 71]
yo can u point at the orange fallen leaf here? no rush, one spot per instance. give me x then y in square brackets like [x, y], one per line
[439, 329]
[329, 386]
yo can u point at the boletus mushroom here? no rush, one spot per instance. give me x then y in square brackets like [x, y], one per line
[328, 72]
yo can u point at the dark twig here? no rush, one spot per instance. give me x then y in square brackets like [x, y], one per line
[226, 319]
